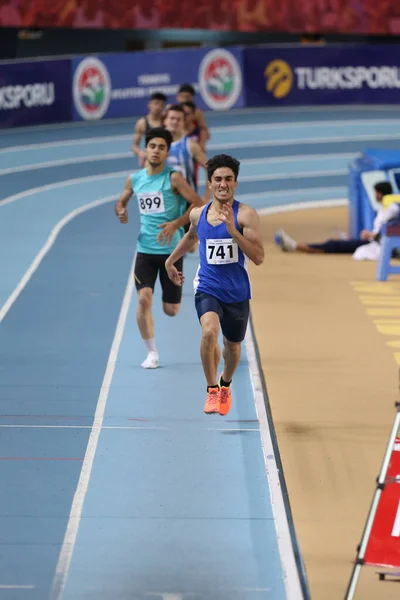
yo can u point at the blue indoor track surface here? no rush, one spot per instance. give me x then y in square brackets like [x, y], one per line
[115, 484]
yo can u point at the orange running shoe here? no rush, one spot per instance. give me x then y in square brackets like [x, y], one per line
[225, 401]
[211, 406]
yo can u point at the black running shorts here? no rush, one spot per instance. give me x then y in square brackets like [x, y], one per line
[148, 267]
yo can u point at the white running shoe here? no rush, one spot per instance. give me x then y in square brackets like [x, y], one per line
[151, 361]
[284, 241]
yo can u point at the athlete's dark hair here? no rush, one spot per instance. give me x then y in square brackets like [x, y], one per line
[189, 104]
[159, 132]
[384, 188]
[186, 87]
[222, 160]
[158, 96]
[175, 108]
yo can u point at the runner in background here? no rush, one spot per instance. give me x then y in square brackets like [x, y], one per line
[154, 118]
[192, 130]
[184, 151]
[186, 93]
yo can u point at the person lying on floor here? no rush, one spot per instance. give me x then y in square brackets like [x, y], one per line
[365, 248]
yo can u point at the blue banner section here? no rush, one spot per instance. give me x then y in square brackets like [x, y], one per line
[119, 85]
[373, 166]
[32, 93]
[111, 86]
[295, 76]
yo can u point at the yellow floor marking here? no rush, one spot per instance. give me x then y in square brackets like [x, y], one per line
[383, 312]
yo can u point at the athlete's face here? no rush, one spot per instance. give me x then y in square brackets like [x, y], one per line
[184, 97]
[156, 108]
[189, 116]
[156, 151]
[175, 121]
[223, 184]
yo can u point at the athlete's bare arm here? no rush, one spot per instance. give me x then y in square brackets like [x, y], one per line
[250, 242]
[179, 186]
[120, 206]
[139, 132]
[204, 131]
[198, 154]
[184, 246]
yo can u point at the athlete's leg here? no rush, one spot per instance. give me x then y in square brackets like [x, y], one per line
[209, 346]
[234, 324]
[171, 293]
[144, 314]
[145, 276]
[231, 354]
[209, 310]
[331, 246]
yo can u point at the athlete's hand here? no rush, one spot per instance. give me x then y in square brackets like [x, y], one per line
[167, 232]
[121, 212]
[226, 215]
[177, 277]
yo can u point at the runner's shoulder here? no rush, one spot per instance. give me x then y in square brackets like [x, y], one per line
[195, 214]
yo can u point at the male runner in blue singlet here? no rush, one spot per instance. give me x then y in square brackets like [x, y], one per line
[229, 234]
[162, 195]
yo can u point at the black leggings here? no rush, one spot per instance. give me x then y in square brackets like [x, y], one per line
[339, 246]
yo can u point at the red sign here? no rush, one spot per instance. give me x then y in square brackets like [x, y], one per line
[384, 543]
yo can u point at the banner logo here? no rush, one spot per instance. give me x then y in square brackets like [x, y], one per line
[220, 79]
[279, 78]
[91, 89]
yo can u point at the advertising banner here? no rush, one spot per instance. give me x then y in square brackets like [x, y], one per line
[112, 86]
[36, 92]
[384, 542]
[295, 76]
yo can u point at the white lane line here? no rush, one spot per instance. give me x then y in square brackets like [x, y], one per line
[299, 158]
[123, 155]
[45, 249]
[304, 124]
[209, 114]
[272, 210]
[286, 551]
[287, 193]
[61, 184]
[114, 175]
[308, 140]
[294, 175]
[285, 545]
[17, 587]
[140, 427]
[66, 161]
[71, 533]
[228, 128]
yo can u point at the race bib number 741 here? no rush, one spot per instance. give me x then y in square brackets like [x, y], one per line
[222, 252]
[151, 204]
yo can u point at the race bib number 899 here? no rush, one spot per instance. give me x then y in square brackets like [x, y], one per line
[151, 204]
[222, 252]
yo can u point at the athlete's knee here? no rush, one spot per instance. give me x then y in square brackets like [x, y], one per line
[209, 333]
[145, 299]
[171, 309]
